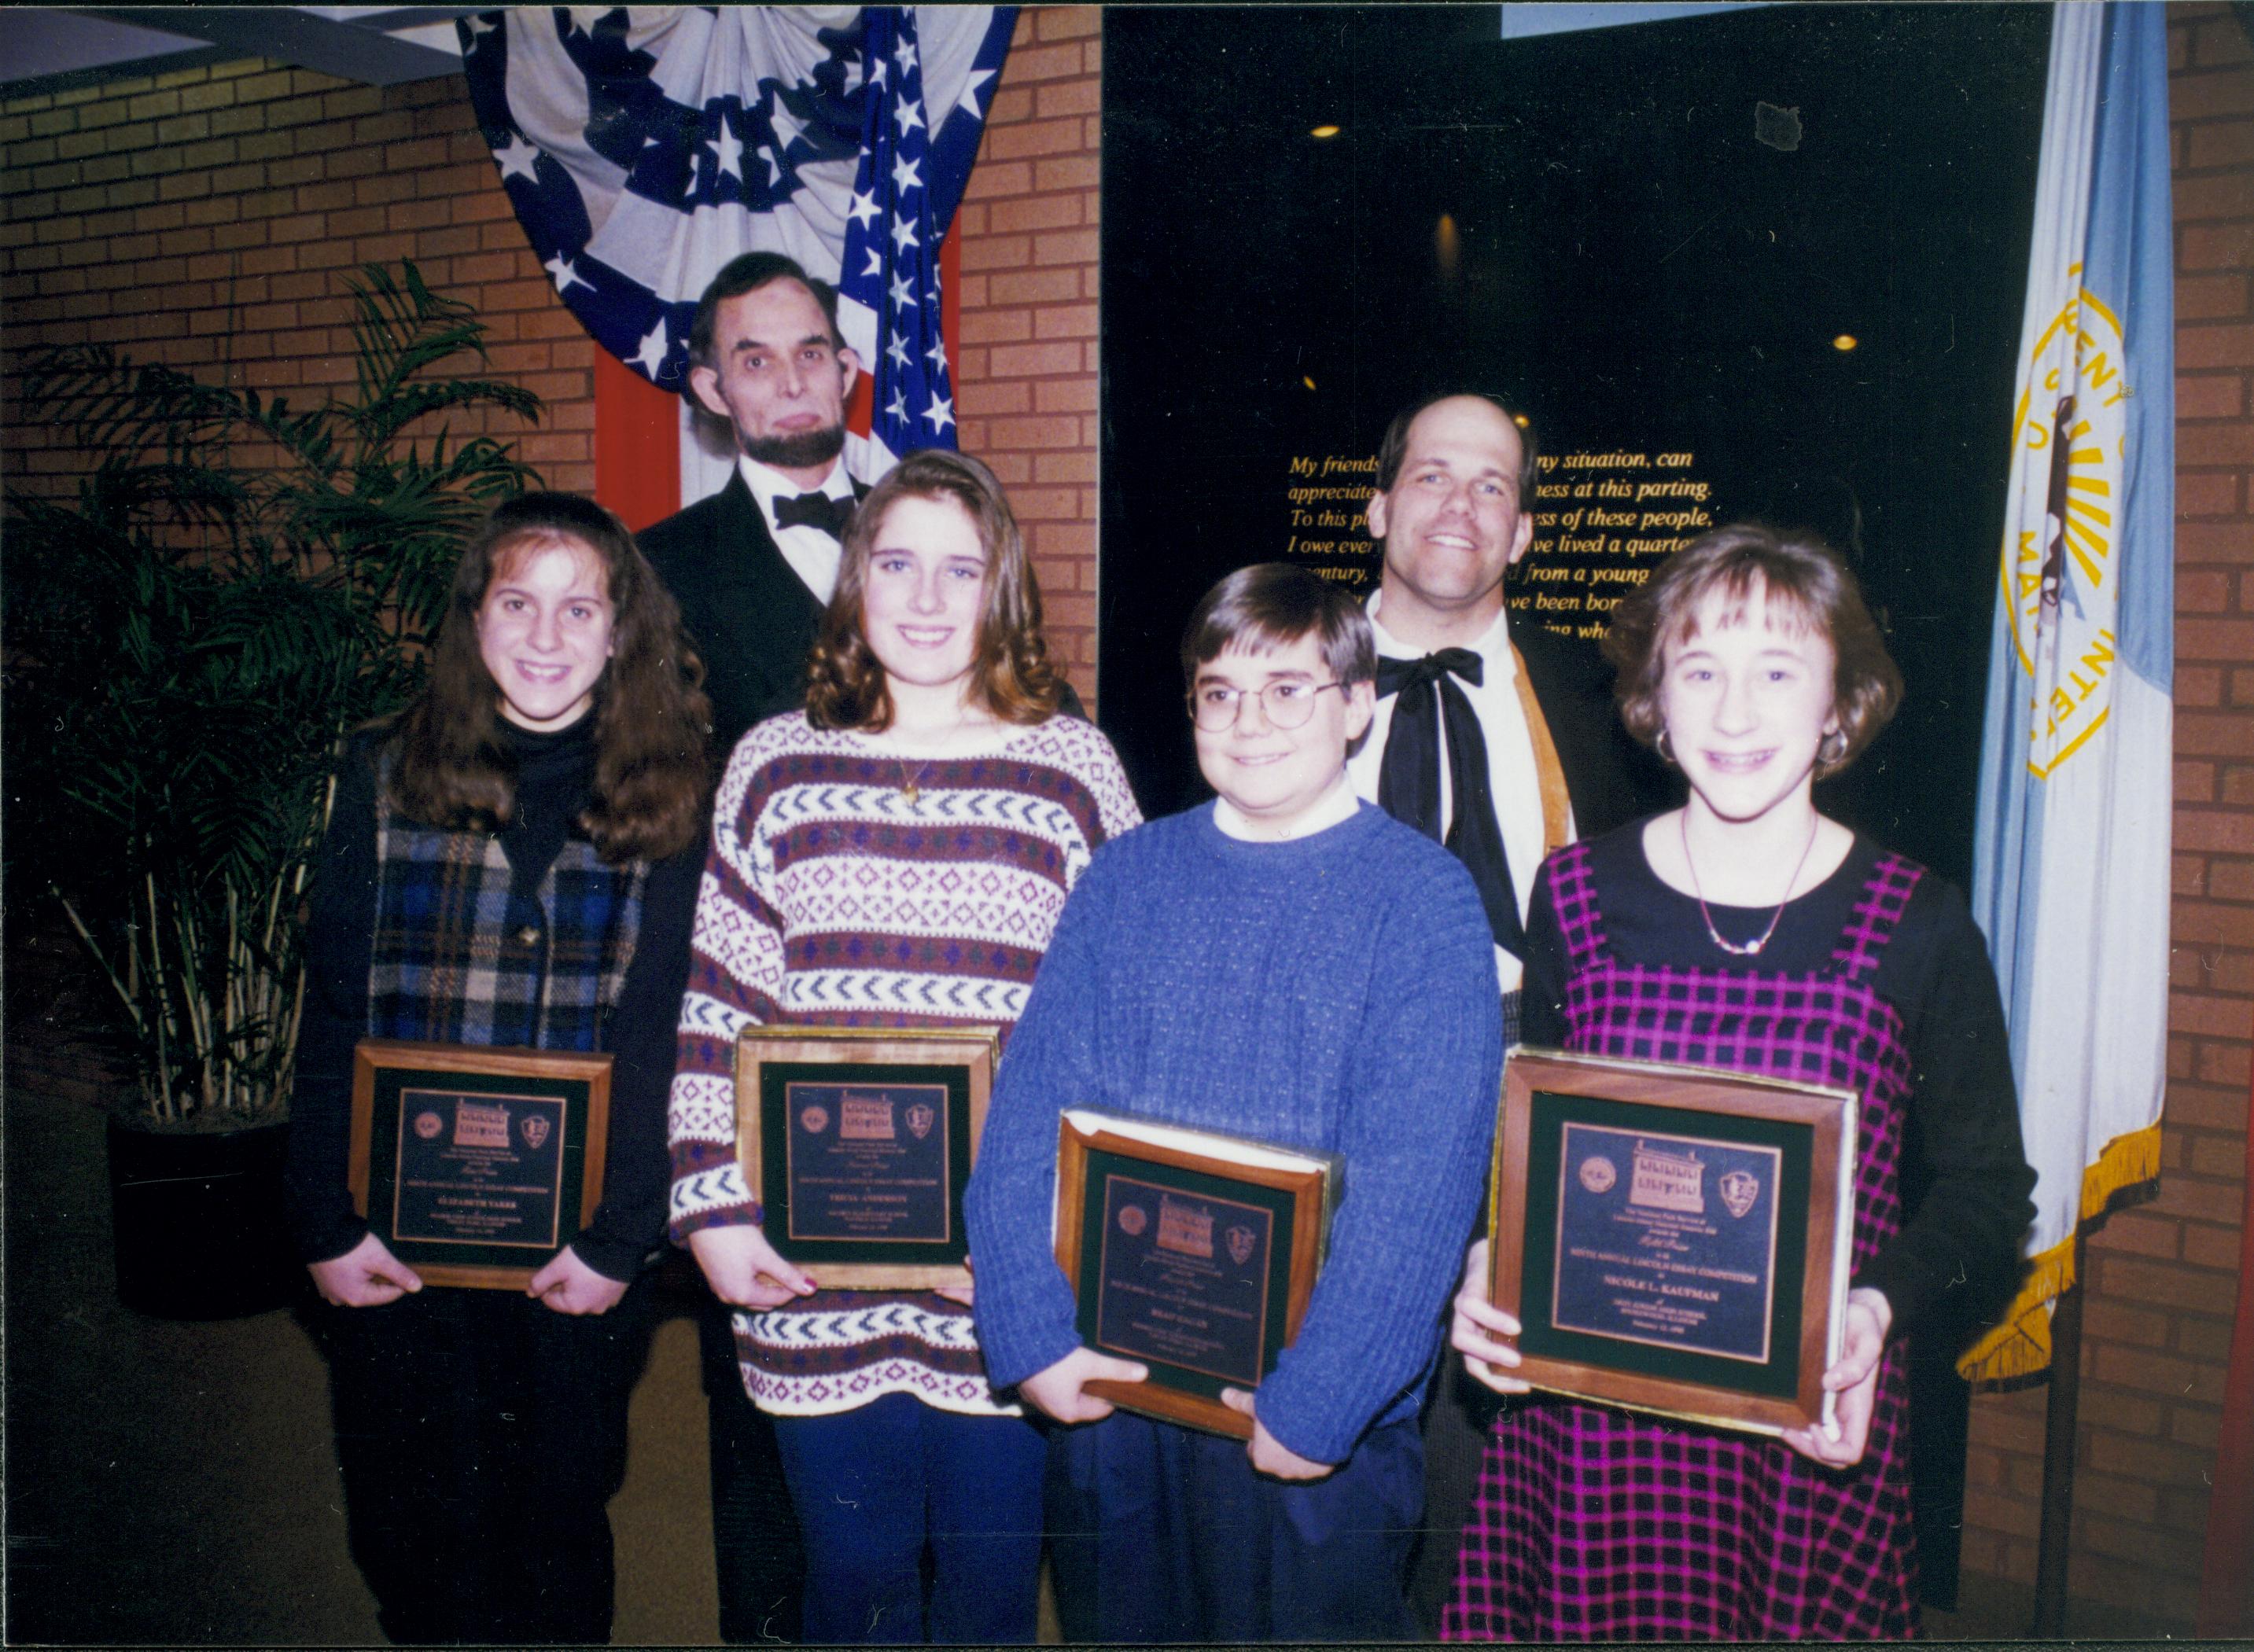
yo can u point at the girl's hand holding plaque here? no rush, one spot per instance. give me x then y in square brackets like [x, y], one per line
[1270, 1455]
[1477, 1326]
[567, 1284]
[1853, 1379]
[367, 1276]
[745, 1270]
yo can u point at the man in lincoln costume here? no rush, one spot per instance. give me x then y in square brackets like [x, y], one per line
[752, 568]
[1499, 740]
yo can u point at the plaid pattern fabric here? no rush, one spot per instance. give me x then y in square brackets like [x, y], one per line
[1594, 1524]
[459, 958]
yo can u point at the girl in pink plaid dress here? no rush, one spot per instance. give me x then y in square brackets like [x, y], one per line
[1746, 931]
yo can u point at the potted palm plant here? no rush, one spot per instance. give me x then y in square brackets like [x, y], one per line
[236, 585]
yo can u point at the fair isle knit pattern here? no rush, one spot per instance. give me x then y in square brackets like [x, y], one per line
[834, 898]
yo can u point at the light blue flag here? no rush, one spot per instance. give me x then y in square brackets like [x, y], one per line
[2070, 880]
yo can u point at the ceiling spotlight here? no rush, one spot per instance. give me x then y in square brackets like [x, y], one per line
[1324, 131]
[1845, 342]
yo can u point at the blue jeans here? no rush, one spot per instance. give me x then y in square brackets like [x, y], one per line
[875, 1487]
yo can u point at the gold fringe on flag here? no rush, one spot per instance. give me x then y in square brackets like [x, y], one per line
[2019, 1346]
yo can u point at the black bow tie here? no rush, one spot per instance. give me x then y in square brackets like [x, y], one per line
[1409, 774]
[1394, 675]
[813, 510]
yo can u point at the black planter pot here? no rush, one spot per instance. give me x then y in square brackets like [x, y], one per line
[197, 1221]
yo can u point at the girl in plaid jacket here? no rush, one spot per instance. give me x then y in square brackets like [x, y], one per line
[513, 862]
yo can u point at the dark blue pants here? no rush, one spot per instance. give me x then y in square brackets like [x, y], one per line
[875, 1486]
[1160, 1533]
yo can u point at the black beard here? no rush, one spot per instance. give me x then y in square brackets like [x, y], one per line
[799, 451]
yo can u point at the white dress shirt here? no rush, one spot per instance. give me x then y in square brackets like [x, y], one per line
[813, 555]
[1512, 776]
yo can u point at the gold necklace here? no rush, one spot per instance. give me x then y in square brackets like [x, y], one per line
[912, 785]
[1751, 948]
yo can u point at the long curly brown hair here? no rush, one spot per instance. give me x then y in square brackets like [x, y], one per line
[1011, 676]
[450, 764]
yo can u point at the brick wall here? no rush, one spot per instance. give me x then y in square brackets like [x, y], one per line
[1028, 350]
[207, 217]
[2162, 1275]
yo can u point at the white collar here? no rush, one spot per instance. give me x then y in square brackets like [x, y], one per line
[1493, 646]
[1334, 808]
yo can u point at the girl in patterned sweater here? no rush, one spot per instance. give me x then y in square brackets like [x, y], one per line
[908, 840]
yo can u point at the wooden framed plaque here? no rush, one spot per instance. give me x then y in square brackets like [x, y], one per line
[857, 1141]
[1191, 1252]
[1674, 1239]
[475, 1165]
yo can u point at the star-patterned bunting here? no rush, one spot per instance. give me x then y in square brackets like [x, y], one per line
[642, 148]
[900, 285]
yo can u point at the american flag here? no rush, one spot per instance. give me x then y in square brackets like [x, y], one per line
[644, 147]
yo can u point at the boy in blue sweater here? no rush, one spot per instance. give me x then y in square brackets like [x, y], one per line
[1288, 964]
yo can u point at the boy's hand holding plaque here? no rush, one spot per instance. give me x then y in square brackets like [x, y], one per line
[1673, 1239]
[1191, 1253]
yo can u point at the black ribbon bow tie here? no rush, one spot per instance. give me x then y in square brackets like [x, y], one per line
[1409, 775]
[813, 510]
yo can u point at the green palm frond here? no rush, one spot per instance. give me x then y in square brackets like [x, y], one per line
[238, 583]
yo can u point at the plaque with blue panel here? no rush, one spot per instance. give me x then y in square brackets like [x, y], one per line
[1191, 1252]
[1673, 1239]
[476, 1164]
[858, 1143]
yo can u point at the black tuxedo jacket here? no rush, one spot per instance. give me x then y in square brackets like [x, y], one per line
[750, 615]
[1610, 777]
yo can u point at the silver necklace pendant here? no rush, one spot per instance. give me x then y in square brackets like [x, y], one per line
[1749, 948]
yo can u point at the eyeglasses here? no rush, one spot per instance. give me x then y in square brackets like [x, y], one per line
[1286, 705]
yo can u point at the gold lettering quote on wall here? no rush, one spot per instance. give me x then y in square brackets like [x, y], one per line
[1327, 496]
[1601, 521]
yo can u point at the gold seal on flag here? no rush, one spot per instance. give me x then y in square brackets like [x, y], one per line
[2068, 456]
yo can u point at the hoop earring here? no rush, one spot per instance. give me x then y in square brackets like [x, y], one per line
[1828, 754]
[1665, 755]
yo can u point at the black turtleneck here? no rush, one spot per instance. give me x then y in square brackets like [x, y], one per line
[554, 781]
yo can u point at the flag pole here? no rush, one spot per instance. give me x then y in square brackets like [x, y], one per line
[2226, 1584]
[2054, 1545]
